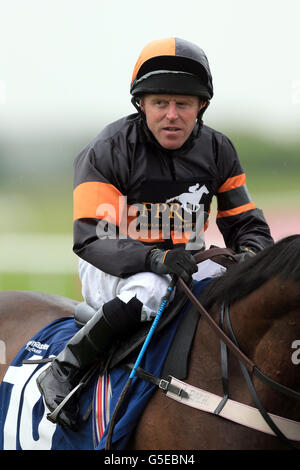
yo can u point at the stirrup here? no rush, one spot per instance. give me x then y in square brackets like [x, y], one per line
[83, 382]
[54, 414]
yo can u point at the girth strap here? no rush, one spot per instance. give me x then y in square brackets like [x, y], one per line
[244, 415]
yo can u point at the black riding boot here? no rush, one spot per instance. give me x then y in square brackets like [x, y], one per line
[92, 342]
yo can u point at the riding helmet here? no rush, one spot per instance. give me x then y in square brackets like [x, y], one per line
[172, 66]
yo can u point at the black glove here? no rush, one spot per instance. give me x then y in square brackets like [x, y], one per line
[243, 254]
[177, 261]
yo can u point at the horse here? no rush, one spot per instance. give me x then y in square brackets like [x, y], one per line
[262, 296]
[23, 313]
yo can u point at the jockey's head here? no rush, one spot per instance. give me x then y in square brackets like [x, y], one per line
[171, 88]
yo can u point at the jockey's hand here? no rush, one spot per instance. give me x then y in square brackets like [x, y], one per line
[177, 261]
[243, 254]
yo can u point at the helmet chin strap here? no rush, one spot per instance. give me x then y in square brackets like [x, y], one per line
[135, 104]
[200, 115]
[145, 128]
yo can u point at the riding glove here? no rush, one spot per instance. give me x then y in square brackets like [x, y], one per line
[177, 261]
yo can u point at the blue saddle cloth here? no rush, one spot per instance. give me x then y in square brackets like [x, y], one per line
[23, 423]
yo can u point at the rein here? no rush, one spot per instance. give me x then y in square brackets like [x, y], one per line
[275, 385]
[219, 332]
[223, 256]
[233, 345]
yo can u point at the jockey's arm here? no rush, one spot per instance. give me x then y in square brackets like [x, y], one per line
[98, 206]
[240, 222]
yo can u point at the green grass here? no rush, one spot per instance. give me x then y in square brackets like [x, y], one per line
[66, 285]
[33, 209]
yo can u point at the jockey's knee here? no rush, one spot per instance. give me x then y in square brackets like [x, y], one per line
[148, 288]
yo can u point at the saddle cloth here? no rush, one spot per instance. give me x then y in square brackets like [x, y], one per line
[110, 387]
[23, 423]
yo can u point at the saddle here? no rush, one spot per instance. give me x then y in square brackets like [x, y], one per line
[177, 359]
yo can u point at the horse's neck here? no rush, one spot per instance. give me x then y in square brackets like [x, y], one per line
[260, 311]
[266, 324]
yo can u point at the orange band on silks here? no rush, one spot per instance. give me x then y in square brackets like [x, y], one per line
[103, 201]
[99, 200]
[236, 210]
[179, 237]
[232, 183]
[94, 199]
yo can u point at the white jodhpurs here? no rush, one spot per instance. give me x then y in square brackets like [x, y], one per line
[99, 287]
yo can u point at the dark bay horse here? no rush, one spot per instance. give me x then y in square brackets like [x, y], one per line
[22, 314]
[264, 298]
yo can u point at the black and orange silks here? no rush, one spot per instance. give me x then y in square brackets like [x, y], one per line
[131, 195]
[125, 178]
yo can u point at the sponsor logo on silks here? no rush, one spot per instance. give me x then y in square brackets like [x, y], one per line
[175, 218]
[190, 201]
[36, 347]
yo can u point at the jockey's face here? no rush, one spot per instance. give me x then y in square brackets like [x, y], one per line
[171, 118]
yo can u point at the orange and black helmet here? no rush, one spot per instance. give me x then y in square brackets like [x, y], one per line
[172, 66]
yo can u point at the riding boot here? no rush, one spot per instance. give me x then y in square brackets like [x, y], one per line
[92, 342]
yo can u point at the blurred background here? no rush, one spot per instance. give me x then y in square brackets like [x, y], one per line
[65, 71]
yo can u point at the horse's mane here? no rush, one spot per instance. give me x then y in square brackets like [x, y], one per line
[281, 259]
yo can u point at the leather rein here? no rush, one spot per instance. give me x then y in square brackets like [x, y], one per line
[248, 367]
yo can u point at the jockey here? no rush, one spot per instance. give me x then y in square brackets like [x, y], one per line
[138, 190]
